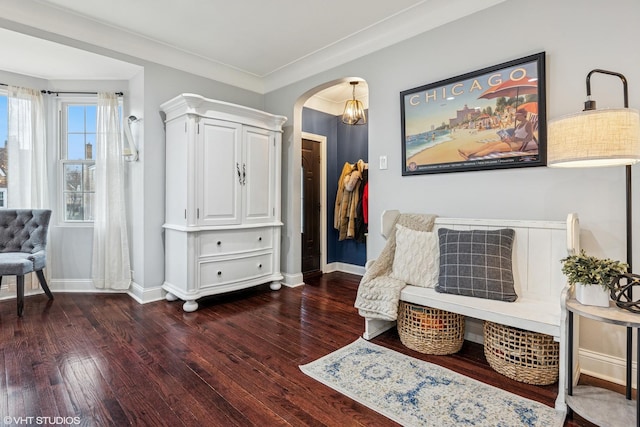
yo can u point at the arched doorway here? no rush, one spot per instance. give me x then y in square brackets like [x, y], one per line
[322, 156]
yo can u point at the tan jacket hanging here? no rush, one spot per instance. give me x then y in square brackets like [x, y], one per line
[347, 199]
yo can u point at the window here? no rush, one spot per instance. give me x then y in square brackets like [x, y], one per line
[77, 152]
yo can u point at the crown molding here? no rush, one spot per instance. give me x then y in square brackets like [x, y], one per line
[40, 19]
[409, 23]
[44, 21]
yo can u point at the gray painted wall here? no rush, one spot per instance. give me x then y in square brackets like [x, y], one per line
[577, 36]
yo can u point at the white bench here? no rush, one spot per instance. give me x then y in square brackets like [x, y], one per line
[538, 248]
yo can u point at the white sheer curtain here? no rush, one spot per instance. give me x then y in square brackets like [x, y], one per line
[110, 264]
[26, 160]
[26, 150]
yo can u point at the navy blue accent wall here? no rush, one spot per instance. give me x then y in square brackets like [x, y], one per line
[353, 145]
[345, 143]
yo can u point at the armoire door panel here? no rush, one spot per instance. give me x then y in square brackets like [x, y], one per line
[221, 173]
[258, 185]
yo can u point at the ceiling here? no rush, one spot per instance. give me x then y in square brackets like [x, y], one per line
[254, 44]
[58, 58]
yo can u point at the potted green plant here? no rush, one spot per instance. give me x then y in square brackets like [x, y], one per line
[592, 277]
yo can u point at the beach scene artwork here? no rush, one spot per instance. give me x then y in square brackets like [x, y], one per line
[484, 120]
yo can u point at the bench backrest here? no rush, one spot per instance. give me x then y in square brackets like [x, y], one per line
[538, 248]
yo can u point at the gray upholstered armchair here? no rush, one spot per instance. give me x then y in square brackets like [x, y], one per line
[23, 241]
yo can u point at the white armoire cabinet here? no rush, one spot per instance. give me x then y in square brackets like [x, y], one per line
[222, 210]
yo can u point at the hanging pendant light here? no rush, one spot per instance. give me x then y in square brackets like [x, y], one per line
[353, 110]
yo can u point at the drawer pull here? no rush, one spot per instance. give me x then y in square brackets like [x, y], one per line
[219, 273]
[259, 239]
[259, 265]
[219, 243]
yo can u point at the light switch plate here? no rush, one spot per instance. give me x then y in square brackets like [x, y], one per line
[383, 162]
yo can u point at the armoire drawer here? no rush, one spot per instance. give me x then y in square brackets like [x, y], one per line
[214, 272]
[232, 241]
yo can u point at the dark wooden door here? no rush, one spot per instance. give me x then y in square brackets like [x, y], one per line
[311, 205]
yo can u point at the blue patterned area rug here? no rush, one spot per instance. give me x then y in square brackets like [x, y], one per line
[413, 392]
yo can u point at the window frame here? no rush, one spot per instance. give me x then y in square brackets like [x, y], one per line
[4, 92]
[62, 161]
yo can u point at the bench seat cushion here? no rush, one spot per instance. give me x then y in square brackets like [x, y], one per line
[525, 313]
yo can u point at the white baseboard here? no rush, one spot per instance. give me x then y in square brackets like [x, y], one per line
[345, 268]
[292, 280]
[297, 279]
[80, 285]
[135, 291]
[145, 295]
[605, 367]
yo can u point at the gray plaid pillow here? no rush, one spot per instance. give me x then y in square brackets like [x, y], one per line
[477, 263]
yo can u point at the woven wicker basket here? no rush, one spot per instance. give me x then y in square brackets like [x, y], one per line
[524, 356]
[430, 330]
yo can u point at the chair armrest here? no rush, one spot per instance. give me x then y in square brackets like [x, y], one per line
[39, 259]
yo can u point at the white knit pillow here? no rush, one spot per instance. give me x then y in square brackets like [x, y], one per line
[417, 257]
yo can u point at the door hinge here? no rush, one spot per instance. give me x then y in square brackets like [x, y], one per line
[198, 128]
[198, 213]
[185, 214]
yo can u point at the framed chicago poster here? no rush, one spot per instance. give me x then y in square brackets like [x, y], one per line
[492, 118]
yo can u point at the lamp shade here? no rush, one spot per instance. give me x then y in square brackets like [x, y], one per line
[594, 138]
[354, 113]
[354, 110]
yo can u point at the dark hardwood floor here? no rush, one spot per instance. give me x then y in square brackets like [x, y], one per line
[105, 360]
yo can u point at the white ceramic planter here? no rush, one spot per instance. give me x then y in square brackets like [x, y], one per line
[592, 295]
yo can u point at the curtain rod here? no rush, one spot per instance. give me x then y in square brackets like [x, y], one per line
[55, 92]
[49, 92]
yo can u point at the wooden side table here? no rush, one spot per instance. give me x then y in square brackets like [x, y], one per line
[600, 406]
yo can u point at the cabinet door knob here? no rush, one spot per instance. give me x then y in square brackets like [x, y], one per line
[259, 239]
[219, 273]
[259, 265]
[219, 243]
